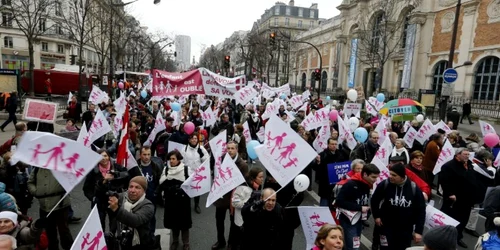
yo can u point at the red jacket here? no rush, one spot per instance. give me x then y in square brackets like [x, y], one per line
[420, 183]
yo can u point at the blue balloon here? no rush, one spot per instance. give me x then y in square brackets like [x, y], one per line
[381, 97]
[175, 106]
[144, 94]
[360, 134]
[251, 145]
[328, 98]
[283, 96]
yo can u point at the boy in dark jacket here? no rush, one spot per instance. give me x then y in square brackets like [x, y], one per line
[353, 198]
[398, 205]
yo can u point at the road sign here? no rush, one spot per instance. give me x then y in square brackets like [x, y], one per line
[450, 75]
[447, 89]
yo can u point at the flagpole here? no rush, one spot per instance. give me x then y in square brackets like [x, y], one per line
[57, 204]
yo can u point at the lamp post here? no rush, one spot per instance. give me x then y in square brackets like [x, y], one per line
[320, 62]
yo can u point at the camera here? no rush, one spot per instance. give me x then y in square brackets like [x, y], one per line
[115, 174]
[125, 237]
[112, 193]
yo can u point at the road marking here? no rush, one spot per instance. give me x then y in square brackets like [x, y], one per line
[165, 237]
[365, 241]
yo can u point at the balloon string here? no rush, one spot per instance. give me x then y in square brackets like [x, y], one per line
[273, 194]
[293, 197]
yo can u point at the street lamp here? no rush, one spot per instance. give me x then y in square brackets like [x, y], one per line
[125, 4]
[466, 63]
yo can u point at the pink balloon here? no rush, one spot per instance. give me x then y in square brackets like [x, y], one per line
[189, 128]
[491, 140]
[120, 85]
[334, 115]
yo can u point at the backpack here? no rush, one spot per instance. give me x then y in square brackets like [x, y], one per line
[200, 152]
[488, 241]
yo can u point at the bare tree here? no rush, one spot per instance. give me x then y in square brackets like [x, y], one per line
[381, 38]
[100, 41]
[31, 18]
[261, 54]
[76, 22]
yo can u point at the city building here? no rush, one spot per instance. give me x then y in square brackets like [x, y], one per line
[183, 49]
[420, 57]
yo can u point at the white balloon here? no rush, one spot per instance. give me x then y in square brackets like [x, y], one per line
[420, 118]
[353, 123]
[334, 102]
[301, 183]
[352, 94]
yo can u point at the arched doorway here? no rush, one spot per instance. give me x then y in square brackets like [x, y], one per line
[487, 79]
[324, 80]
[313, 81]
[437, 78]
[304, 81]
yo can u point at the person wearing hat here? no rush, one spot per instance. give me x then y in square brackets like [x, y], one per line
[439, 238]
[394, 201]
[134, 213]
[25, 232]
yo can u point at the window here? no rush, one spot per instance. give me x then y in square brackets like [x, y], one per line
[376, 33]
[313, 82]
[288, 11]
[304, 80]
[437, 78]
[45, 46]
[60, 48]
[6, 2]
[42, 25]
[301, 12]
[311, 24]
[8, 42]
[405, 32]
[7, 19]
[324, 79]
[287, 21]
[276, 10]
[299, 24]
[276, 22]
[58, 8]
[311, 13]
[59, 30]
[486, 79]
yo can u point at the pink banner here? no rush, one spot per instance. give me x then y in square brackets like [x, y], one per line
[170, 83]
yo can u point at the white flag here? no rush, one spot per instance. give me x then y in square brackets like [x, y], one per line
[120, 105]
[246, 132]
[91, 236]
[70, 95]
[425, 131]
[443, 126]
[159, 126]
[284, 153]
[245, 95]
[83, 135]
[486, 128]
[99, 127]
[410, 136]
[436, 218]
[345, 134]
[199, 182]
[227, 176]
[296, 101]
[317, 119]
[447, 154]
[49, 151]
[98, 96]
[208, 116]
[312, 219]
[384, 151]
[321, 141]
[271, 110]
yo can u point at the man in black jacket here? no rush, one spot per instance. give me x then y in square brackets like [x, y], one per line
[11, 109]
[367, 150]
[354, 197]
[398, 207]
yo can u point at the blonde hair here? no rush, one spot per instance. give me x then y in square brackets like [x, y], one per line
[324, 231]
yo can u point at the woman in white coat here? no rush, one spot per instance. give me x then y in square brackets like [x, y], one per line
[194, 155]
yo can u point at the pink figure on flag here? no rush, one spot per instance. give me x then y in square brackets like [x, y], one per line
[57, 153]
[94, 243]
[228, 171]
[438, 219]
[71, 164]
[36, 151]
[278, 140]
[221, 174]
[95, 125]
[86, 140]
[293, 162]
[317, 116]
[196, 187]
[286, 153]
[99, 121]
[199, 178]
[315, 216]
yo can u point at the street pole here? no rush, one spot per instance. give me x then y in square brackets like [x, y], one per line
[111, 73]
[451, 56]
[278, 64]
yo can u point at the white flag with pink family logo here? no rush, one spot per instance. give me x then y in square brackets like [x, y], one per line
[159, 126]
[245, 95]
[91, 236]
[199, 182]
[246, 132]
[321, 141]
[447, 154]
[227, 176]
[284, 153]
[99, 127]
[49, 151]
[486, 128]
[435, 218]
[312, 219]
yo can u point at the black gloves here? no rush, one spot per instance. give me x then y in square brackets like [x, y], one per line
[258, 205]
[41, 223]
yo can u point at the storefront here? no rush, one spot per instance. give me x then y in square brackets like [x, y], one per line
[49, 61]
[15, 62]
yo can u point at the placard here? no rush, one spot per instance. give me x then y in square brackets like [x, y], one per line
[40, 111]
[337, 170]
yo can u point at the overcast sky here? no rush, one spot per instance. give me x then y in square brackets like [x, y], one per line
[210, 22]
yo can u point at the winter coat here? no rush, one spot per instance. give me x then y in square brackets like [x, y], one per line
[240, 196]
[353, 195]
[491, 207]
[485, 177]
[261, 228]
[26, 234]
[456, 180]
[139, 218]
[177, 211]
[397, 206]
[431, 155]
[321, 169]
[365, 152]
[44, 186]
[94, 188]
[192, 157]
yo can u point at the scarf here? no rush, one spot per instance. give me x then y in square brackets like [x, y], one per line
[104, 169]
[70, 128]
[176, 173]
[417, 167]
[128, 206]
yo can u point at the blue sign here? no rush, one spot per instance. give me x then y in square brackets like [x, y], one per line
[352, 63]
[338, 170]
[450, 75]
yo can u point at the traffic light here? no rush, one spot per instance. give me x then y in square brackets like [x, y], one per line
[317, 75]
[72, 59]
[272, 39]
[227, 62]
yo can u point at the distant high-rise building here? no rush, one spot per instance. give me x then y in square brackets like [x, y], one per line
[183, 49]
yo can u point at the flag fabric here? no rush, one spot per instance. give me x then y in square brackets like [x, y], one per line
[122, 156]
[227, 177]
[447, 154]
[91, 236]
[486, 128]
[199, 182]
[312, 219]
[99, 127]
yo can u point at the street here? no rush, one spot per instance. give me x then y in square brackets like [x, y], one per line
[203, 233]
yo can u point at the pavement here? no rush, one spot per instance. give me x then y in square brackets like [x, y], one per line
[203, 233]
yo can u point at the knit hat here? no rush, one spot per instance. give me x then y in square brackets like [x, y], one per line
[7, 202]
[9, 215]
[399, 169]
[442, 238]
[141, 180]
